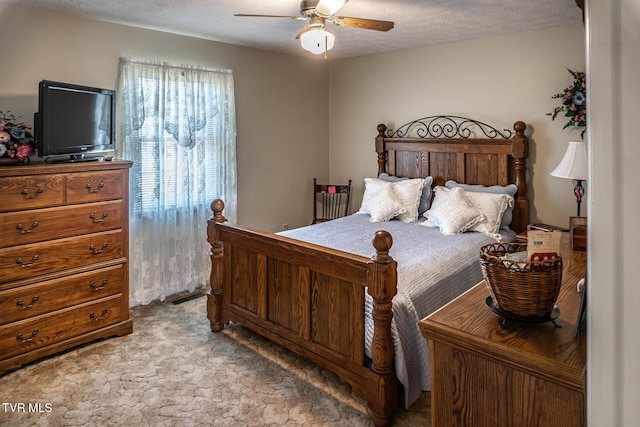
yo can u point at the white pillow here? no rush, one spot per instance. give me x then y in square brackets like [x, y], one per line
[408, 192]
[440, 195]
[492, 207]
[455, 214]
[427, 192]
[509, 189]
[380, 201]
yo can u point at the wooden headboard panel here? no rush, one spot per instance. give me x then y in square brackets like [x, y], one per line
[465, 150]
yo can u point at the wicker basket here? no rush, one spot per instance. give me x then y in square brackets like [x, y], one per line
[522, 289]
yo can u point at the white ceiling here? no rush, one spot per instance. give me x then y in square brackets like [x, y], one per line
[417, 22]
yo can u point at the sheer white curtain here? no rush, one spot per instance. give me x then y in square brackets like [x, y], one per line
[178, 126]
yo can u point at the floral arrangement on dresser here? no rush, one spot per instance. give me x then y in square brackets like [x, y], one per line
[574, 101]
[16, 138]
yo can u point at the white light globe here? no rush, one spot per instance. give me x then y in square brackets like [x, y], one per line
[317, 40]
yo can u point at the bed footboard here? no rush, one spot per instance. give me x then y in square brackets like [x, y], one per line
[311, 300]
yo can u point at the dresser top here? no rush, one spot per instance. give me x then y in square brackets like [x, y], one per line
[53, 168]
[467, 322]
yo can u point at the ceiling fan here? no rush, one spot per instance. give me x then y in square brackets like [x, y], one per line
[314, 37]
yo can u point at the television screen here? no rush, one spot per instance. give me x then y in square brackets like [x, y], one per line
[73, 120]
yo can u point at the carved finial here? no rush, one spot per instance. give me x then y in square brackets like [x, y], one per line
[217, 206]
[382, 129]
[519, 127]
[382, 242]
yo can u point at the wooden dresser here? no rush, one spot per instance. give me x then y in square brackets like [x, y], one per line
[522, 375]
[63, 257]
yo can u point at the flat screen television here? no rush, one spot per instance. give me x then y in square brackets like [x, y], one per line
[74, 120]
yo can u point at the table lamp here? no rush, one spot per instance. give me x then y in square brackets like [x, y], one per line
[574, 166]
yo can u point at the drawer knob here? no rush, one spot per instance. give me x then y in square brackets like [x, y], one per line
[21, 263]
[21, 305]
[92, 190]
[21, 229]
[97, 288]
[98, 251]
[21, 338]
[95, 220]
[97, 319]
[26, 195]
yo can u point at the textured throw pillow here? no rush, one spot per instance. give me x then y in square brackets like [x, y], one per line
[409, 192]
[455, 214]
[440, 195]
[380, 201]
[510, 189]
[425, 197]
[492, 207]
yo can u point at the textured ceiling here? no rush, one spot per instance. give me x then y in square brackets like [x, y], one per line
[417, 22]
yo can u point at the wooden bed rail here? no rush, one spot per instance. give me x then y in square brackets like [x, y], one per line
[309, 299]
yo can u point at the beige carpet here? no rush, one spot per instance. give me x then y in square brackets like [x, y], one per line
[173, 371]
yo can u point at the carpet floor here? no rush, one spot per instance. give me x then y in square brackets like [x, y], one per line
[173, 371]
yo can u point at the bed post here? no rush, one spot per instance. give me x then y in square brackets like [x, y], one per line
[215, 294]
[520, 151]
[380, 149]
[382, 396]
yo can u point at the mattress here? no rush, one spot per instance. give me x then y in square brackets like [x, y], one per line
[433, 269]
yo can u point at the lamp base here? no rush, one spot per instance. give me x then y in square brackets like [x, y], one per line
[578, 232]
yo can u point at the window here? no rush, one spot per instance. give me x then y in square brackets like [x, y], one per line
[177, 125]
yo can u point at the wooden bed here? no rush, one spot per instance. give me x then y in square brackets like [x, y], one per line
[310, 299]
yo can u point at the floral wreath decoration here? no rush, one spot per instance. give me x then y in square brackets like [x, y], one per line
[574, 101]
[16, 138]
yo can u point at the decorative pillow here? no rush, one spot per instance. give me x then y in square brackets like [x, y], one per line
[441, 195]
[492, 207]
[380, 201]
[425, 197]
[409, 192]
[456, 214]
[510, 189]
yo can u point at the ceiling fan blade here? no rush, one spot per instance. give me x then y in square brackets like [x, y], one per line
[367, 24]
[269, 16]
[328, 8]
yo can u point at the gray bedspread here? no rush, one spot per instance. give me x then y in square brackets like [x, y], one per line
[433, 269]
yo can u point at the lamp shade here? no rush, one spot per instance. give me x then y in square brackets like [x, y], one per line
[317, 40]
[574, 163]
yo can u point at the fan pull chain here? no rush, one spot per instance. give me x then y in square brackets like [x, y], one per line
[326, 49]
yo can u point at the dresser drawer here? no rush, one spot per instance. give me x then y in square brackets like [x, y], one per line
[41, 331]
[51, 295]
[31, 191]
[94, 186]
[36, 225]
[21, 262]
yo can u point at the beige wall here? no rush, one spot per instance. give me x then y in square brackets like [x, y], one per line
[497, 80]
[281, 146]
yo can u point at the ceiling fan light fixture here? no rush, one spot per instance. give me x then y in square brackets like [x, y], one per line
[317, 40]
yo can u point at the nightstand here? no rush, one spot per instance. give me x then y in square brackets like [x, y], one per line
[525, 375]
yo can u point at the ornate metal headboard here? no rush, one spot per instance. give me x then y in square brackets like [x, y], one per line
[461, 149]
